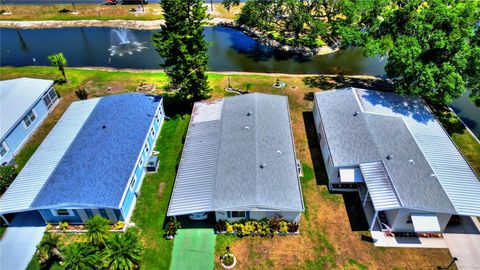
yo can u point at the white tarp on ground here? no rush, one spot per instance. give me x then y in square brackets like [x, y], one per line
[351, 175]
[425, 223]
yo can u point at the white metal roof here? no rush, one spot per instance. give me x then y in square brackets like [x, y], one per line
[379, 186]
[38, 169]
[193, 185]
[425, 223]
[451, 169]
[17, 96]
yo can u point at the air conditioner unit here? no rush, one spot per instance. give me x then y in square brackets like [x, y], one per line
[152, 164]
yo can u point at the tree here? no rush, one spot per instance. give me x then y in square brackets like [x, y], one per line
[80, 256]
[181, 43]
[432, 47]
[48, 248]
[123, 251]
[58, 60]
[7, 175]
[97, 231]
[228, 4]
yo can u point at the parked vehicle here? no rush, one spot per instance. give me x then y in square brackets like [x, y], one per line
[198, 216]
[134, 2]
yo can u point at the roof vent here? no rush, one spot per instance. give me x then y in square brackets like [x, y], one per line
[249, 113]
[390, 157]
[411, 161]
[263, 165]
[247, 127]
[356, 113]
[279, 152]
[103, 127]
[433, 175]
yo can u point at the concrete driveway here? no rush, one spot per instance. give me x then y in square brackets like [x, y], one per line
[464, 243]
[193, 249]
[20, 241]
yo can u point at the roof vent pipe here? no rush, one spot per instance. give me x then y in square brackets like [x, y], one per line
[249, 113]
[356, 113]
[389, 157]
[263, 165]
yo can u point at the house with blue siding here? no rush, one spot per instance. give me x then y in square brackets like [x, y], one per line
[92, 163]
[24, 104]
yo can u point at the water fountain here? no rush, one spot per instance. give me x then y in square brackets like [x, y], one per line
[123, 42]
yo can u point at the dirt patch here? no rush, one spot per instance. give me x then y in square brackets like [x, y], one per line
[161, 187]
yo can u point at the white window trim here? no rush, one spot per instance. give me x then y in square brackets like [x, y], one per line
[23, 119]
[52, 100]
[146, 148]
[70, 212]
[134, 181]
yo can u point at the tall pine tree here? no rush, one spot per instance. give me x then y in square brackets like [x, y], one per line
[182, 44]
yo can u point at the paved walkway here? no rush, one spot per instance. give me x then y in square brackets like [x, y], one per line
[464, 243]
[193, 249]
[20, 241]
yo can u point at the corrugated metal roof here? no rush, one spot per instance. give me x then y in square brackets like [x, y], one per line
[452, 171]
[379, 186]
[38, 169]
[220, 166]
[16, 97]
[196, 173]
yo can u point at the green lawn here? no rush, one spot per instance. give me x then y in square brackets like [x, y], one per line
[151, 208]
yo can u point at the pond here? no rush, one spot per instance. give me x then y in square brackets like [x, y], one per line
[229, 50]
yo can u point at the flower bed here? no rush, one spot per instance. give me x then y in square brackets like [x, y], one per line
[264, 227]
[65, 227]
[413, 234]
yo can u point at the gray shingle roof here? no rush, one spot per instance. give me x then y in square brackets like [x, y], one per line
[403, 127]
[255, 129]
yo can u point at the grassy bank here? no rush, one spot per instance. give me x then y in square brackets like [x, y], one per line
[64, 12]
[331, 235]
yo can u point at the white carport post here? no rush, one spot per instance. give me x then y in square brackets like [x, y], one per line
[5, 220]
[373, 220]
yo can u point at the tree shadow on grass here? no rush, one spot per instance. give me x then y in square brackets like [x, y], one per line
[314, 146]
[340, 81]
[174, 104]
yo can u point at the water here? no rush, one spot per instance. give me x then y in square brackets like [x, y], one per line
[229, 50]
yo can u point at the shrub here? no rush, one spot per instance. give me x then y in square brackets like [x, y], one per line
[81, 93]
[119, 225]
[221, 226]
[97, 231]
[63, 226]
[274, 223]
[7, 175]
[229, 228]
[228, 259]
[283, 227]
[293, 227]
[49, 226]
[172, 227]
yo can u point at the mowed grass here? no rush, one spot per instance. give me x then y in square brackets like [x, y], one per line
[153, 11]
[326, 238]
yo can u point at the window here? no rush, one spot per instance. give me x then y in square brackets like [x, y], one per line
[141, 161]
[238, 214]
[153, 132]
[132, 182]
[409, 219]
[29, 118]
[50, 98]
[3, 149]
[146, 148]
[62, 212]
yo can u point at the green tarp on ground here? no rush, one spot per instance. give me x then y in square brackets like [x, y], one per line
[193, 249]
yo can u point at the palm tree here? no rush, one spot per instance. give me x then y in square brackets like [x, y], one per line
[123, 252]
[58, 60]
[97, 231]
[48, 248]
[80, 256]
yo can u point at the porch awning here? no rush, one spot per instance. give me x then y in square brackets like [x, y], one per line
[425, 223]
[351, 175]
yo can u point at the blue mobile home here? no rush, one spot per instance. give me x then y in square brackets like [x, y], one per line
[24, 104]
[92, 162]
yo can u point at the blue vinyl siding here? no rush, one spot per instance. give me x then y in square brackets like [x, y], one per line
[20, 134]
[140, 169]
[49, 217]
